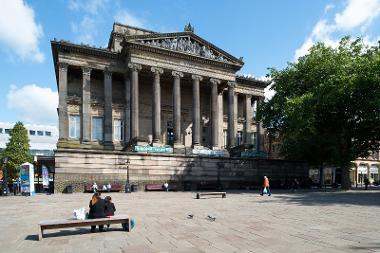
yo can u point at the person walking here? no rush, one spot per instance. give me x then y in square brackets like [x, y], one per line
[94, 187]
[266, 188]
[97, 210]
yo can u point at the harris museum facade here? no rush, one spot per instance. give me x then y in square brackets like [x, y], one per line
[153, 108]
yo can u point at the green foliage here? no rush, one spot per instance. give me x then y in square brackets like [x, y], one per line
[17, 149]
[327, 105]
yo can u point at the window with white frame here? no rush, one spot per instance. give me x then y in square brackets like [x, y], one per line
[225, 140]
[97, 128]
[74, 126]
[118, 130]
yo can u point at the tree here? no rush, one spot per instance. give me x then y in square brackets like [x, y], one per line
[327, 105]
[17, 149]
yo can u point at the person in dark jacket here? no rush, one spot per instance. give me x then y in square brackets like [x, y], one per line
[97, 210]
[110, 208]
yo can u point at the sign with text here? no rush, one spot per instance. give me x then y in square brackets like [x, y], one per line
[151, 149]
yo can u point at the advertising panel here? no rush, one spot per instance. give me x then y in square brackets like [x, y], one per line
[27, 179]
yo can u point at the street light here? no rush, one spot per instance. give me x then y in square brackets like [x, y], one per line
[5, 180]
[127, 185]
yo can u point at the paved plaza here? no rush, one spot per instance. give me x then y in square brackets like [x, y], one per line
[245, 222]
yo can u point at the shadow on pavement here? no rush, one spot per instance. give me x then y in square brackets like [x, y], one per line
[362, 198]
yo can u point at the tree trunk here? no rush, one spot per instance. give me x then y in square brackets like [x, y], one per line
[346, 181]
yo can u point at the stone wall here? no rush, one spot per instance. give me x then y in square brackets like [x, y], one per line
[77, 167]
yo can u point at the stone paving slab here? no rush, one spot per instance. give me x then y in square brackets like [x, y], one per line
[245, 222]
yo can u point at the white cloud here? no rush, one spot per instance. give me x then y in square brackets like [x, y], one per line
[124, 17]
[34, 104]
[357, 14]
[19, 31]
[89, 6]
[86, 29]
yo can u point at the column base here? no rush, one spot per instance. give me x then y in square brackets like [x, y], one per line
[197, 146]
[216, 148]
[109, 146]
[157, 144]
[178, 146]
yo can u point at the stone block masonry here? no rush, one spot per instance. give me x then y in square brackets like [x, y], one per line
[76, 167]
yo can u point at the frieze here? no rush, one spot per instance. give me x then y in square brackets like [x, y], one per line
[186, 45]
[186, 69]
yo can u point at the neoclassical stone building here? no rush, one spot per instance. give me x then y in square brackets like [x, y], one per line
[164, 97]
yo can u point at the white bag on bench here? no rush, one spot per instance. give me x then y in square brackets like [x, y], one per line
[79, 214]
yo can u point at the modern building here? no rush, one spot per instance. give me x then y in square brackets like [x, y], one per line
[150, 107]
[42, 138]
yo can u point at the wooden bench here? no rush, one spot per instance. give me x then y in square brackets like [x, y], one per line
[55, 224]
[154, 187]
[200, 194]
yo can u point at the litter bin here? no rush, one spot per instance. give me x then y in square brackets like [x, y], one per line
[134, 188]
[127, 188]
[69, 189]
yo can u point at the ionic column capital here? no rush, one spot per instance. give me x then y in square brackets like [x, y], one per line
[134, 66]
[63, 66]
[157, 71]
[214, 81]
[231, 84]
[196, 77]
[86, 71]
[177, 74]
[107, 73]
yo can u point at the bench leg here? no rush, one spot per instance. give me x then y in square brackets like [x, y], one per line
[127, 226]
[223, 195]
[198, 196]
[40, 233]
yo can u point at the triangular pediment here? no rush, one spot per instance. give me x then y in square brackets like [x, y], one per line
[188, 43]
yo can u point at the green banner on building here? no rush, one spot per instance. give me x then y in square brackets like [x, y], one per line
[151, 149]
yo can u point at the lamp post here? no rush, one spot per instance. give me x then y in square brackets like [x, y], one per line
[127, 185]
[5, 180]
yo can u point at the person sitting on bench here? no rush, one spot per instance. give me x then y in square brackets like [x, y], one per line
[97, 208]
[110, 208]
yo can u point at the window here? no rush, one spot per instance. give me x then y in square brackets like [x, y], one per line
[254, 139]
[118, 130]
[40, 133]
[74, 126]
[1, 130]
[239, 138]
[32, 132]
[225, 140]
[97, 128]
[47, 133]
[7, 131]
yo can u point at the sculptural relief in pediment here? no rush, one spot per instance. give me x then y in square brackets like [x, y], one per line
[186, 44]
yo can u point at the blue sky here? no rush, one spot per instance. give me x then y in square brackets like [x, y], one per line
[267, 33]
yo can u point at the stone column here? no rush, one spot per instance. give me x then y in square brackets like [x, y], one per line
[62, 106]
[248, 119]
[108, 140]
[86, 105]
[259, 127]
[156, 105]
[214, 113]
[127, 125]
[231, 114]
[196, 133]
[177, 108]
[135, 68]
